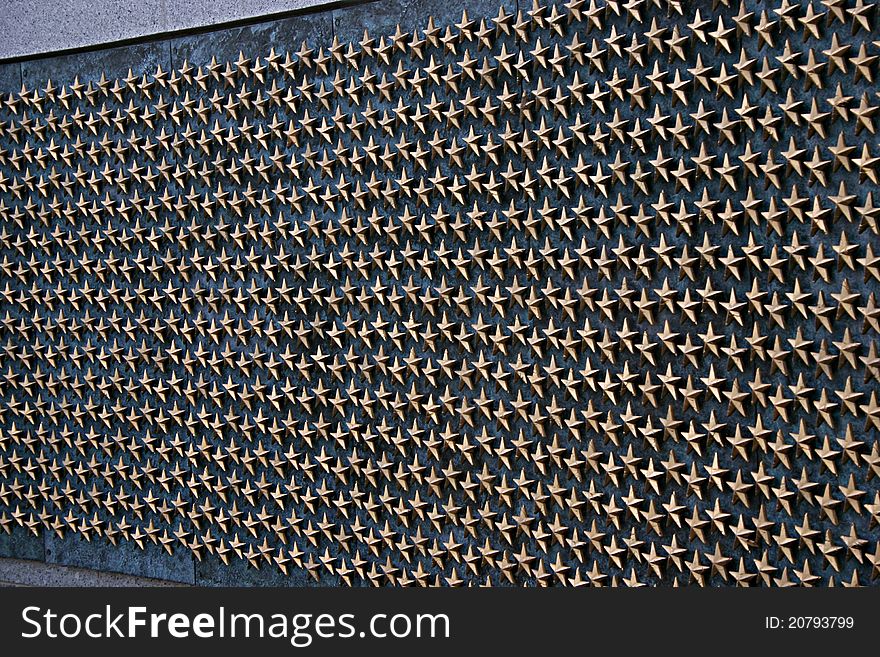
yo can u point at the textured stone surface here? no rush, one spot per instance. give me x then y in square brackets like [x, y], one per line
[382, 17]
[20, 572]
[10, 78]
[31, 27]
[285, 35]
[21, 544]
[125, 557]
[88, 66]
[211, 571]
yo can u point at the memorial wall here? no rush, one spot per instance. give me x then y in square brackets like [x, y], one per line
[449, 293]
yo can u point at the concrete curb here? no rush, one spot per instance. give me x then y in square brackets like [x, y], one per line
[19, 572]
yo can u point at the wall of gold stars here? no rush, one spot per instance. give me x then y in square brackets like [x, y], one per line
[576, 293]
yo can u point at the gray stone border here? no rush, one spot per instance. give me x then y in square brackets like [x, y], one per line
[37, 27]
[19, 572]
